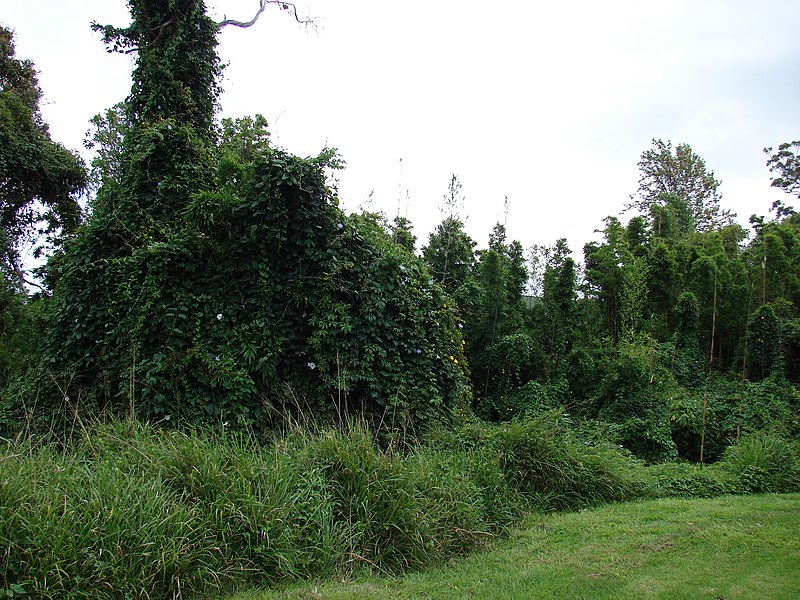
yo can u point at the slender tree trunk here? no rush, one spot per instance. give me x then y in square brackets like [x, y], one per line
[708, 376]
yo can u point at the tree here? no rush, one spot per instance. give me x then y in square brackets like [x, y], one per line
[403, 234]
[559, 306]
[785, 162]
[450, 254]
[39, 178]
[450, 251]
[494, 314]
[218, 281]
[106, 136]
[677, 180]
[604, 266]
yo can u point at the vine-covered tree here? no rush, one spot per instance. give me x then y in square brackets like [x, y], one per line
[218, 281]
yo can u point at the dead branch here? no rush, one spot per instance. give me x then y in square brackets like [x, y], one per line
[20, 274]
[262, 5]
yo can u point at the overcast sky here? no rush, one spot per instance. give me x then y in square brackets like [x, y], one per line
[547, 103]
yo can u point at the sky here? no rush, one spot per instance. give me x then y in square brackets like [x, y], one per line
[547, 104]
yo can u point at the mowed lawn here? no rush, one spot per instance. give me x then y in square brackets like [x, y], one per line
[733, 547]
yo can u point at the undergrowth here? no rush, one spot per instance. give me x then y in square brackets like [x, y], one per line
[135, 511]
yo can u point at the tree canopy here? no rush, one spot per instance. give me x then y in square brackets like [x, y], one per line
[39, 178]
[675, 184]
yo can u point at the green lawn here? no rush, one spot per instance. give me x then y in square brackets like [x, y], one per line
[733, 547]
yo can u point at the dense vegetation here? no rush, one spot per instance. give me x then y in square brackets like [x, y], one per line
[139, 511]
[213, 282]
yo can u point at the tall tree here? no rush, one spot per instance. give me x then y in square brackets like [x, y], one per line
[676, 179]
[450, 251]
[785, 163]
[39, 178]
[559, 306]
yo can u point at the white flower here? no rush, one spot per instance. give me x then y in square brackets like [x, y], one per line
[219, 316]
[312, 365]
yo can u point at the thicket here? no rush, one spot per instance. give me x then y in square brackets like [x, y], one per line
[676, 335]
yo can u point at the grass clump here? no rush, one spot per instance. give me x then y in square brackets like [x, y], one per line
[128, 510]
[763, 462]
[134, 511]
[543, 462]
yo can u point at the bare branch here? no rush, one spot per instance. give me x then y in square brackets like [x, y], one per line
[263, 5]
[20, 274]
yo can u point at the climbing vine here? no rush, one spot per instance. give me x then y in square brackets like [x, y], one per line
[218, 281]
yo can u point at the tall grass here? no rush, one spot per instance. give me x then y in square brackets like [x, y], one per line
[134, 511]
[763, 462]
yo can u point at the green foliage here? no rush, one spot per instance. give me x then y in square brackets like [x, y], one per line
[774, 341]
[177, 68]
[403, 234]
[449, 254]
[764, 462]
[604, 265]
[296, 307]
[20, 318]
[785, 162]
[392, 525]
[218, 282]
[542, 461]
[106, 137]
[224, 511]
[494, 313]
[39, 178]
[85, 521]
[734, 547]
[534, 398]
[551, 468]
[557, 312]
[687, 480]
[679, 181]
